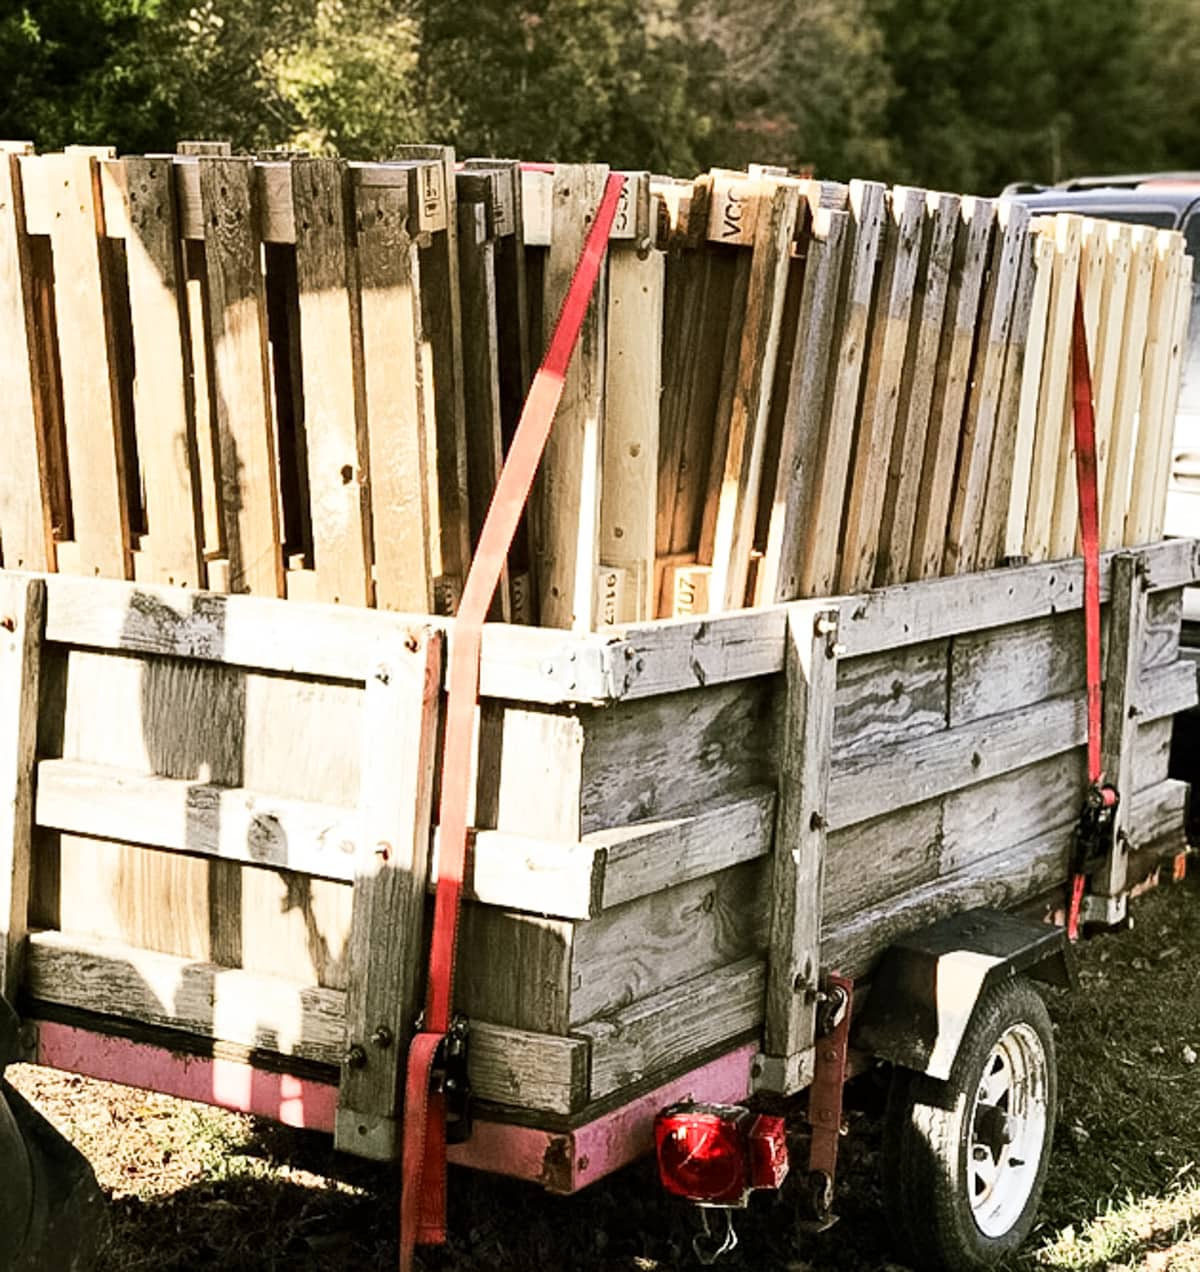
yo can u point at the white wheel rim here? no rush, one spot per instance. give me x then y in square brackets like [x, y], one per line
[1007, 1130]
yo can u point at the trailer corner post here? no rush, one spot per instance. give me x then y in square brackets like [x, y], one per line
[1128, 594]
[804, 762]
[386, 943]
[22, 610]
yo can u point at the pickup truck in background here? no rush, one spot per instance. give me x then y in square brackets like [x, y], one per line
[1169, 201]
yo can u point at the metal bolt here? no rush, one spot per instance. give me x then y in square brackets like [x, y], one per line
[356, 1057]
[383, 850]
[383, 1037]
[383, 674]
[9, 624]
[411, 643]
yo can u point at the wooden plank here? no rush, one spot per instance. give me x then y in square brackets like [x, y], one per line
[163, 410]
[868, 785]
[237, 317]
[331, 355]
[1175, 371]
[741, 463]
[399, 402]
[205, 818]
[951, 384]
[633, 389]
[666, 1029]
[1160, 334]
[818, 568]
[1030, 394]
[21, 615]
[26, 536]
[801, 424]
[797, 899]
[965, 529]
[528, 1071]
[1002, 474]
[887, 697]
[646, 857]
[1054, 394]
[1129, 387]
[112, 979]
[386, 949]
[481, 371]
[1122, 696]
[886, 357]
[1106, 350]
[566, 496]
[88, 361]
[909, 841]
[899, 512]
[441, 301]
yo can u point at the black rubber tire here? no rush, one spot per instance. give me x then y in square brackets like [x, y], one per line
[925, 1144]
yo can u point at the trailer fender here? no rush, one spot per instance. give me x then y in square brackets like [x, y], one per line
[925, 988]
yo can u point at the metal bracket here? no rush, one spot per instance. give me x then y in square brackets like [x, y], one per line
[449, 1078]
[1104, 911]
[825, 1102]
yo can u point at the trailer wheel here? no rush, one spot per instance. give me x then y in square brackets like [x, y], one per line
[964, 1160]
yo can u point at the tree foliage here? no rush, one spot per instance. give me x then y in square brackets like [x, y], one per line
[961, 94]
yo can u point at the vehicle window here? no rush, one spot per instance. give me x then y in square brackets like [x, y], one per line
[1191, 233]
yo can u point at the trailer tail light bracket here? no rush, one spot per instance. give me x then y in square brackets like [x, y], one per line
[718, 1154]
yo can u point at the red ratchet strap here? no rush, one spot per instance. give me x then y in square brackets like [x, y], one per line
[1101, 799]
[423, 1163]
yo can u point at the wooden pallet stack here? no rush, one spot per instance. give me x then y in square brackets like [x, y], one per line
[298, 377]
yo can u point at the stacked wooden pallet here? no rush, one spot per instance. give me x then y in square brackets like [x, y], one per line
[298, 377]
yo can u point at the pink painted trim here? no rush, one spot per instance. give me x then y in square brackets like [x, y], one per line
[567, 1162]
[229, 1084]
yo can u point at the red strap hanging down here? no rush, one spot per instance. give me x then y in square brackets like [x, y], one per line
[423, 1163]
[1089, 533]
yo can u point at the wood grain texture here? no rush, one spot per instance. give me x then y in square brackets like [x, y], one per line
[890, 696]
[798, 863]
[88, 358]
[21, 613]
[387, 946]
[884, 857]
[633, 390]
[241, 387]
[932, 286]
[26, 541]
[399, 402]
[819, 563]
[163, 410]
[889, 342]
[800, 427]
[331, 357]
[1106, 348]
[1178, 335]
[566, 497]
[950, 388]
[658, 1033]
[965, 528]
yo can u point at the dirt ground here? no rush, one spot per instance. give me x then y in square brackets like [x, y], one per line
[193, 1188]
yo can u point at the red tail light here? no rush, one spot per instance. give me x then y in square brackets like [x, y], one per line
[717, 1154]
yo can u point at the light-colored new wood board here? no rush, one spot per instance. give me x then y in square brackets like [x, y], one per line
[163, 410]
[1106, 348]
[1161, 328]
[87, 357]
[1055, 389]
[886, 357]
[950, 387]
[1129, 387]
[932, 285]
[633, 390]
[1030, 394]
[819, 561]
[25, 520]
[1179, 353]
[1064, 525]
[745, 438]
[241, 389]
[964, 533]
[800, 424]
[399, 402]
[1002, 474]
[566, 495]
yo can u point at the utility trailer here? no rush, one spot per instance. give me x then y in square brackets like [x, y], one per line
[217, 851]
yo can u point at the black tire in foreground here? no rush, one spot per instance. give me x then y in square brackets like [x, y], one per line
[965, 1160]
